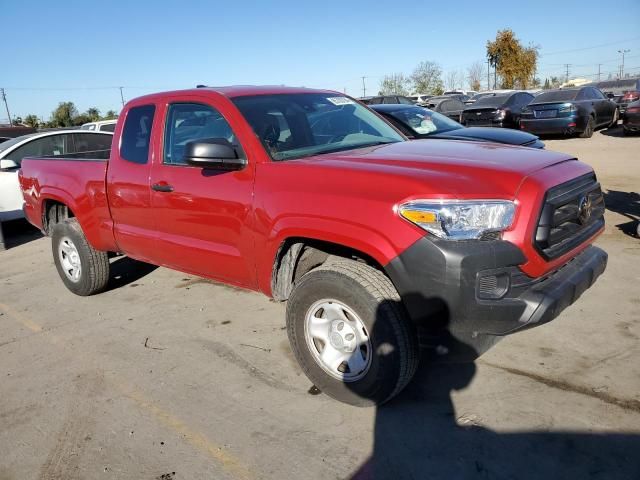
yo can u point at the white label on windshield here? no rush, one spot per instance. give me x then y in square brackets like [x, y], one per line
[340, 100]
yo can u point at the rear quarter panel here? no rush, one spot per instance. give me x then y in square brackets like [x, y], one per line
[77, 183]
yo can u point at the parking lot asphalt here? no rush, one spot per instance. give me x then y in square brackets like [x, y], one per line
[167, 376]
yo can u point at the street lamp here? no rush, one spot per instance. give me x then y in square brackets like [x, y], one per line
[622, 67]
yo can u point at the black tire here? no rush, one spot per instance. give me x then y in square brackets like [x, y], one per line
[93, 274]
[588, 131]
[372, 296]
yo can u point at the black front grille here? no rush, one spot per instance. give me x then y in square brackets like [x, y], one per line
[572, 212]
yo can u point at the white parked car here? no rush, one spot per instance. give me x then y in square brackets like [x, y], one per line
[468, 93]
[420, 98]
[58, 143]
[101, 126]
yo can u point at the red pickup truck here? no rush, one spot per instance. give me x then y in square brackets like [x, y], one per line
[310, 197]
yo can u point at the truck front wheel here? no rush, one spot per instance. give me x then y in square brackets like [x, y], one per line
[83, 269]
[350, 334]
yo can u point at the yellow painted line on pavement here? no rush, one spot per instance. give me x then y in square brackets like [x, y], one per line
[226, 460]
[30, 324]
[196, 439]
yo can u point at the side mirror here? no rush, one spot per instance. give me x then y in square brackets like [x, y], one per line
[6, 164]
[215, 153]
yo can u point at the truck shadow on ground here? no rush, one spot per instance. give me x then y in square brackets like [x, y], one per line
[626, 204]
[419, 435]
[616, 131]
[126, 271]
[18, 232]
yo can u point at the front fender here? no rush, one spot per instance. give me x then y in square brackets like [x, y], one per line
[362, 238]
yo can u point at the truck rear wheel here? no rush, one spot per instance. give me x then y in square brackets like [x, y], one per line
[350, 334]
[83, 269]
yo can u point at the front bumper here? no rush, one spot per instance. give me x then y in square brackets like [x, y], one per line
[471, 122]
[450, 285]
[549, 126]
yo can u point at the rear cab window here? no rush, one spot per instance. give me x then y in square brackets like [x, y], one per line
[136, 134]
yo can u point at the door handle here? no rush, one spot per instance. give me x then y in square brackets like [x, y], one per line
[162, 187]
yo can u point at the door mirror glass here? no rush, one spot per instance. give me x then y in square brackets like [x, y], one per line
[215, 153]
[6, 164]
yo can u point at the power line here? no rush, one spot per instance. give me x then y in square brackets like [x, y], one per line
[592, 47]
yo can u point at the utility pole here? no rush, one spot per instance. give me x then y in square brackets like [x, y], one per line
[364, 88]
[622, 66]
[495, 76]
[566, 66]
[488, 75]
[121, 96]
[6, 105]
[599, 65]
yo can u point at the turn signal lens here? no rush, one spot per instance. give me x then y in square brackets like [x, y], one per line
[417, 216]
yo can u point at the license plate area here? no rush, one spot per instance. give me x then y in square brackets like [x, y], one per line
[546, 113]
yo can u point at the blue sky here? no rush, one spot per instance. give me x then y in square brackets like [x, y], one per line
[79, 50]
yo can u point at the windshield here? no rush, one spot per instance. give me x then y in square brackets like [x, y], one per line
[424, 121]
[557, 96]
[304, 124]
[491, 101]
[10, 143]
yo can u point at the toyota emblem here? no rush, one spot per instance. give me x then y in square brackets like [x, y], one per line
[585, 208]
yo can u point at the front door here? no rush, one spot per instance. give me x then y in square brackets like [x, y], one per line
[128, 184]
[203, 216]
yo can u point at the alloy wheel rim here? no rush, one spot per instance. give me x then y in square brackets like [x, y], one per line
[338, 340]
[69, 259]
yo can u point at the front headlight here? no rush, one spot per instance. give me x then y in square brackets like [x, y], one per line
[459, 219]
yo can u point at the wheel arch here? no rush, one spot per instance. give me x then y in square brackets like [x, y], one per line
[298, 255]
[54, 210]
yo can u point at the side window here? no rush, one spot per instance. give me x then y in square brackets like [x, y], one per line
[136, 134]
[108, 127]
[583, 94]
[91, 142]
[50, 146]
[597, 94]
[187, 122]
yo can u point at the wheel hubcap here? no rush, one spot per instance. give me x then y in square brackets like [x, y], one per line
[338, 340]
[69, 259]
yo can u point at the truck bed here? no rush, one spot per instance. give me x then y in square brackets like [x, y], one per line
[74, 181]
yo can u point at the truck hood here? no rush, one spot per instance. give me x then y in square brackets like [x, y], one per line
[444, 168]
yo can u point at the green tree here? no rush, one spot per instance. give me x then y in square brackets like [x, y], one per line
[63, 115]
[547, 84]
[427, 78]
[110, 115]
[515, 64]
[394, 84]
[93, 113]
[32, 121]
[81, 119]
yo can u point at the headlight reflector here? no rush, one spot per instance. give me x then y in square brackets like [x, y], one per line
[459, 220]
